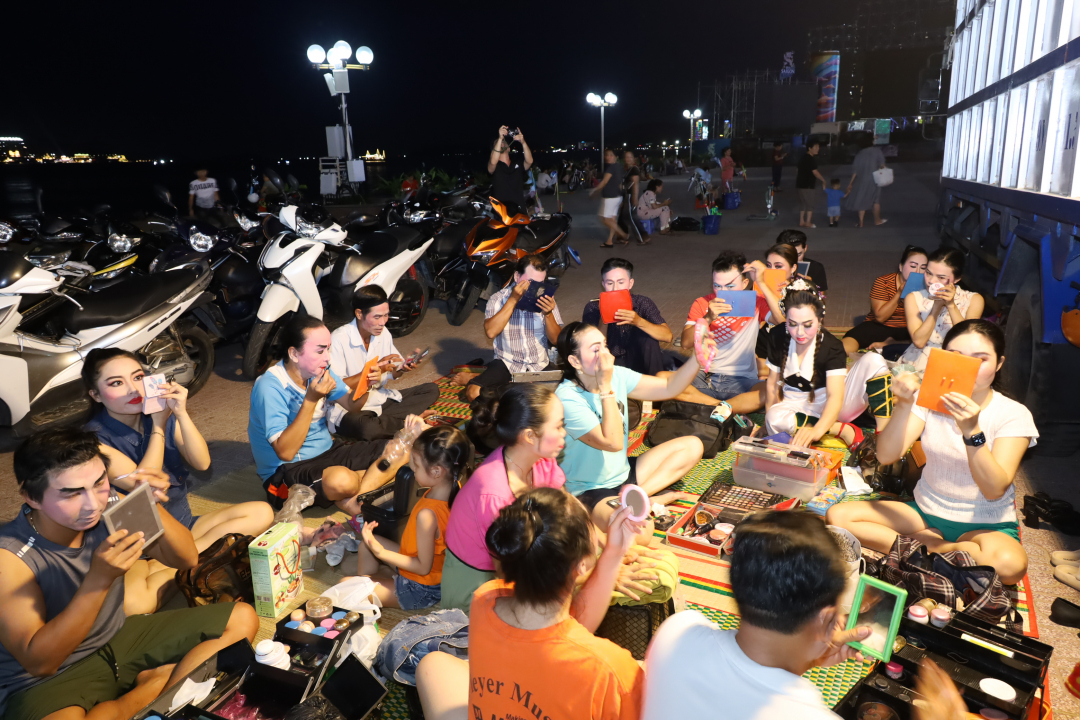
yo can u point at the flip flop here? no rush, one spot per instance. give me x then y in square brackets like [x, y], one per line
[882, 222]
[605, 245]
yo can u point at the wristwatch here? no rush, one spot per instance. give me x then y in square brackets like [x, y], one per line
[976, 440]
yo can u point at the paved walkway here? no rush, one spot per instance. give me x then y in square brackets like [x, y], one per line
[673, 270]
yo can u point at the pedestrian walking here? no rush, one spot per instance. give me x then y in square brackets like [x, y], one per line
[863, 193]
[610, 189]
[806, 183]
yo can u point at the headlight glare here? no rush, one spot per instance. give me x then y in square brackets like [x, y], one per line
[6, 232]
[243, 221]
[200, 241]
[122, 243]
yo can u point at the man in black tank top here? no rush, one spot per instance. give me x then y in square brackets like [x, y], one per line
[63, 593]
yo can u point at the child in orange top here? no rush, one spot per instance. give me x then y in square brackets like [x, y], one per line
[441, 458]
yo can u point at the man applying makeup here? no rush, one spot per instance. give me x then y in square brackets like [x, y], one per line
[67, 651]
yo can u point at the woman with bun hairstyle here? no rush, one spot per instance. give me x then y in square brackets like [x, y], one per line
[932, 312]
[810, 390]
[166, 440]
[531, 651]
[965, 499]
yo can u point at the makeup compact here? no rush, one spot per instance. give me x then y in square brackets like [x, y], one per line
[946, 372]
[613, 301]
[136, 512]
[637, 500]
[153, 389]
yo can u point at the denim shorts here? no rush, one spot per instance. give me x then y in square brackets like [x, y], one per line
[723, 387]
[412, 595]
[834, 211]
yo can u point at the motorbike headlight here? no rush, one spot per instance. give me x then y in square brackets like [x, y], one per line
[416, 215]
[244, 222]
[122, 243]
[483, 257]
[6, 232]
[305, 228]
[45, 262]
[200, 241]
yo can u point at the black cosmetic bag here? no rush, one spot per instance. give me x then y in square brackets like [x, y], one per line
[678, 419]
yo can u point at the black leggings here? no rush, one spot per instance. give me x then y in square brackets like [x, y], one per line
[869, 332]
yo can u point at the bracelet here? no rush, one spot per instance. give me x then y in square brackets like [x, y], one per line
[609, 394]
[155, 431]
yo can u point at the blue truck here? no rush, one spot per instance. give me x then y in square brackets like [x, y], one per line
[1011, 193]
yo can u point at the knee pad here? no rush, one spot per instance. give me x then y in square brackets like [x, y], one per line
[802, 420]
[880, 396]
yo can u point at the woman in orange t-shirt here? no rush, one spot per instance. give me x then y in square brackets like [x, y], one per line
[527, 652]
[410, 576]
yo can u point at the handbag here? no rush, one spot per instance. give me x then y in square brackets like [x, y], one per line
[897, 478]
[685, 224]
[223, 573]
[947, 577]
[883, 177]
[678, 419]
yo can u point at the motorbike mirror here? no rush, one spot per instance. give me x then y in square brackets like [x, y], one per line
[275, 180]
[231, 184]
[164, 195]
[294, 184]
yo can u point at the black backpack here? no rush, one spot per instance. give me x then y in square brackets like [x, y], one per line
[678, 419]
[685, 224]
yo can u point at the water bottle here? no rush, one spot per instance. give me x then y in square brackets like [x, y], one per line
[399, 446]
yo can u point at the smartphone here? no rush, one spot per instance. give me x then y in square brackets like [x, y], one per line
[418, 356]
[153, 389]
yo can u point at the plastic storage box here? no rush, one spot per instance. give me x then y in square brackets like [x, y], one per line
[780, 468]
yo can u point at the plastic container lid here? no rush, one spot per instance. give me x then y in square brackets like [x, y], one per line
[894, 668]
[265, 647]
[331, 634]
[941, 615]
[917, 611]
[997, 688]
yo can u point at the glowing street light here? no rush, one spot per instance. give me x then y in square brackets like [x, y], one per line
[336, 60]
[691, 117]
[601, 102]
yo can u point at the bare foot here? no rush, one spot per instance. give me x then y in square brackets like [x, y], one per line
[461, 378]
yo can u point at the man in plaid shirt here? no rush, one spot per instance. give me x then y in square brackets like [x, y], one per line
[521, 337]
[733, 374]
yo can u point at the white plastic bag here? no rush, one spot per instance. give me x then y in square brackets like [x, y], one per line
[883, 177]
[358, 594]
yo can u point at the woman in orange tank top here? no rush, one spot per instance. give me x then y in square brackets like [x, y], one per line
[409, 576]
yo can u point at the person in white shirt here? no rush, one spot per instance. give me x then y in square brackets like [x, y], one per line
[352, 346]
[203, 198]
[965, 499]
[787, 575]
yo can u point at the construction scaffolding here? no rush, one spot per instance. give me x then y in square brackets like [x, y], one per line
[739, 99]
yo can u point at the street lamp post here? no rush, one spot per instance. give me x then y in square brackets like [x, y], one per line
[601, 102]
[336, 59]
[691, 117]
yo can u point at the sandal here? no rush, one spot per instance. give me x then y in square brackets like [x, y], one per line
[605, 245]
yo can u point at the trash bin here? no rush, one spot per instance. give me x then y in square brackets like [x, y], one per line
[710, 224]
[732, 200]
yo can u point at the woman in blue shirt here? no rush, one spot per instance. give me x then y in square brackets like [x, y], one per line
[168, 441]
[287, 427]
[594, 396]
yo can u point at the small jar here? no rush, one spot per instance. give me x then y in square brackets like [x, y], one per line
[328, 623]
[352, 616]
[341, 624]
[928, 603]
[272, 653]
[319, 608]
[298, 615]
[940, 617]
[894, 670]
[306, 626]
[918, 614]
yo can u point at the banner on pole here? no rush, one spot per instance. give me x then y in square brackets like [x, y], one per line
[826, 70]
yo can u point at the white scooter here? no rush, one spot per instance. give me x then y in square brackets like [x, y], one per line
[311, 262]
[46, 330]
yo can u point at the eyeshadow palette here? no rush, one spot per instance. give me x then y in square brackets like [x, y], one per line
[739, 497]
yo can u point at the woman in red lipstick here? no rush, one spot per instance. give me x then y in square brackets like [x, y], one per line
[166, 440]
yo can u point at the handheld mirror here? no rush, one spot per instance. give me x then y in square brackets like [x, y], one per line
[637, 500]
[137, 511]
[879, 605]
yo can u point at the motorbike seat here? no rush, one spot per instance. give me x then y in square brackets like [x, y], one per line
[125, 300]
[53, 225]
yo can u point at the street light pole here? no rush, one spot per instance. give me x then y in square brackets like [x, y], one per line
[337, 80]
[692, 117]
[601, 102]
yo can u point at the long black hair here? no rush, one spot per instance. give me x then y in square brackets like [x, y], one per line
[91, 369]
[538, 539]
[447, 447]
[523, 406]
[294, 334]
[992, 333]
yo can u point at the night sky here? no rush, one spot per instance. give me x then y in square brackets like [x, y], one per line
[214, 79]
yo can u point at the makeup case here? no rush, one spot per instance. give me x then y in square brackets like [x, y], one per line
[780, 468]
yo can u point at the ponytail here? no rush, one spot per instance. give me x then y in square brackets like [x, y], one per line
[447, 447]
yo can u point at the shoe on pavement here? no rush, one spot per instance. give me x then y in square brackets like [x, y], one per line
[1068, 574]
[1065, 557]
[1065, 613]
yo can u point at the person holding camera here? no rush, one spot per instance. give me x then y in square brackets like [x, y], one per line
[508, 175]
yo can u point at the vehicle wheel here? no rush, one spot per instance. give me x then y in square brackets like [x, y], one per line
[407, 313]
[461, 305]
[200, 348]
[1023, 327]
[257, 354]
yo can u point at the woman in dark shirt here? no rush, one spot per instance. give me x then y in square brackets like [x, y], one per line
[610, 189]
[166, 440]
[803, 359]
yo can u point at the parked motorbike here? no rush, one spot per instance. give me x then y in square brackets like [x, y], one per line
[48, 324]
[311, 262]
[492, 248]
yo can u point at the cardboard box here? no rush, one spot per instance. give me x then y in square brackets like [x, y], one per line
[275, 569]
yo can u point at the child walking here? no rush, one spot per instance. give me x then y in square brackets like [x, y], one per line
[410, 576]
[833, 197]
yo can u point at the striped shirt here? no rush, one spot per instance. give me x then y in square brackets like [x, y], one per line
[884, 289]
[523, 343]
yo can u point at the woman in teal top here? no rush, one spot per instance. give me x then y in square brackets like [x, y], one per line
[594, 397]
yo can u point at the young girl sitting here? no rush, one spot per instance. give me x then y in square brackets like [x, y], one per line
[166, 440]
[803, 359]
[527, 633]
[931, 313]
[965, 499]
[441, 458]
